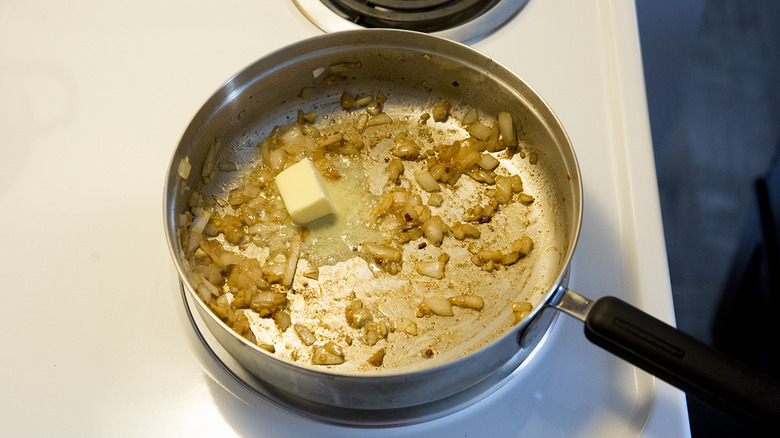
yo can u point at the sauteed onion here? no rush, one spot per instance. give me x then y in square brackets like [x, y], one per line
[443, 189]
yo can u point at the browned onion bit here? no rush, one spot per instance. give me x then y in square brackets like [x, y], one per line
[371, 334]
[357, 315]
[468, 301]
[490, 259]
[377, 358]
[434, 229]
[441, 111]
[266, 303]
[306, 335]
[433, 268]
[462, 230]
[435, 305]
[328, 354]
[394, 169]
[521, 309]
[405, 147]
[282, 319]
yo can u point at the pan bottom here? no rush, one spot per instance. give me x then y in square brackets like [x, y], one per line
[235, 379]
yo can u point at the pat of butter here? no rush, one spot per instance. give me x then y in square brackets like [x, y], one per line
[304, 193]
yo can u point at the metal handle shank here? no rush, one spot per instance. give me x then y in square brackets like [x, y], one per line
[682, 360]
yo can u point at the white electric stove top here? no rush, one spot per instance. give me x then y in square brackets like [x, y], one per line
[93, 97]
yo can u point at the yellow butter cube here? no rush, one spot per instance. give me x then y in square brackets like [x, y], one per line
[304, 192]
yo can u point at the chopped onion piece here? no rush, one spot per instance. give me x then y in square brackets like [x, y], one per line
[462, 230]
[426, 181]
[374, 107]
[363, 100]
[469, 301]
[230, 258]
[307, 337]
[479, 131]
[204, 292]
[347, 101]
[312, 273]
[435, 200]
[467, 156]
[517, 183]
[377, 358]
[488, 255]
[292, 261]
[482, 175]
[503, 189]
[434, 229]
[268, 347]
[395, 168]
[359, 317]
[406, 148]
[330, 140]
[276, 159]
[384, 252]
[492, 142]
[470, 117]
[523, 245]
[507, 128]
[207, 171]
[282, 319]
[379, 119]
[439, 305]
[267, 302]
[328, 354]
[441, 111]
[183, 170]
[510, 258]
[361, 122]
[207, 286]
[488, 162]
[200, 220]
[433, 268]
[409, 327]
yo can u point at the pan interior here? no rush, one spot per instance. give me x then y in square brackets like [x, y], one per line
[270, 92]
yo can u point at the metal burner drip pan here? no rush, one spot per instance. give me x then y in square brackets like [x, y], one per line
[466, 21]
[419, 15]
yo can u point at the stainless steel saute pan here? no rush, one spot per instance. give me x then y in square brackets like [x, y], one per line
[416, 72]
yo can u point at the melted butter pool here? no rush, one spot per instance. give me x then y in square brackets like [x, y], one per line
[336, 238]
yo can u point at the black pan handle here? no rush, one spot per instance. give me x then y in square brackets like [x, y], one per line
[676, 357]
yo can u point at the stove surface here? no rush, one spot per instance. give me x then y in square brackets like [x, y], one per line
[93, 99]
